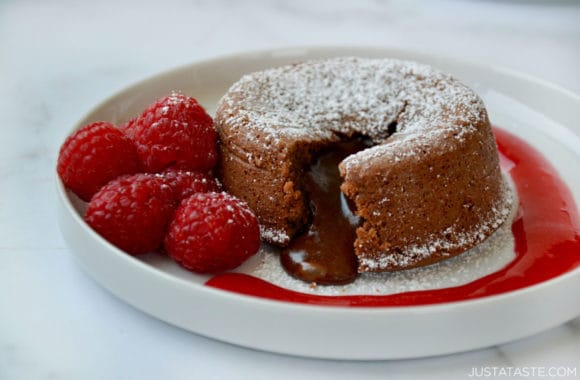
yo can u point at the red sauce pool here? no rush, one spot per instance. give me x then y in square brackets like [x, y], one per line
[546, 232]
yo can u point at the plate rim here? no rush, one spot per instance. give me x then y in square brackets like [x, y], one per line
[289, 50]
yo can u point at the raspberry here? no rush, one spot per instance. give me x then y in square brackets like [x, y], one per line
[128, 126]
[187, 182]
[94, 155]
[212, 232]
[132, 212]
[175, 130]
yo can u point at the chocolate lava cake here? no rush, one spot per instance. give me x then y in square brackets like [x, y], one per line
[427, 187]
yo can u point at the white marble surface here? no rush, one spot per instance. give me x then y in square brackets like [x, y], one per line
[59, 58]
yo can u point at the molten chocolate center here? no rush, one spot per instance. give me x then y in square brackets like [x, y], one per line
[324, 254]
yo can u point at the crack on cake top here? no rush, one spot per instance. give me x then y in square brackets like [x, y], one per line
[320, 100]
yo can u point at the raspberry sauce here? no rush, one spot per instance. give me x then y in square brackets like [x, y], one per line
[546, 232]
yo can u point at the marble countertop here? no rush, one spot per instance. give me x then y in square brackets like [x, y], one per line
[60, 58]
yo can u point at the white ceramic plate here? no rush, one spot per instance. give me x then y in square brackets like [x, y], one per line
[544, 115]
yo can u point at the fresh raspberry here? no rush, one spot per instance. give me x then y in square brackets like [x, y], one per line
[175, 130]
[94, 155]
[132, 212]
[212, 232]
[128, 126]
[188, 182]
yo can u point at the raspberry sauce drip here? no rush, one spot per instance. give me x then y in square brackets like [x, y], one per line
[324, 254]
[546, 232]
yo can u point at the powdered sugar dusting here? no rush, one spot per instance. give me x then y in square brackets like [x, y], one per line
[273, 235]
[324, 100]
[488, 257]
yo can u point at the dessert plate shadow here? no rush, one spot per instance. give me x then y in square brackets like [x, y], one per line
[542, 114]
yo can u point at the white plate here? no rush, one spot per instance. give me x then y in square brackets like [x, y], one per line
[544, 115]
